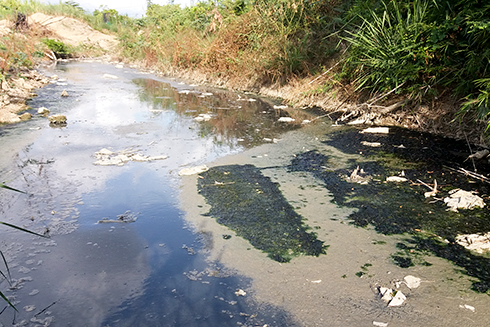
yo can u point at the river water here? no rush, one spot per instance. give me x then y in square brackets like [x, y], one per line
[171, 263]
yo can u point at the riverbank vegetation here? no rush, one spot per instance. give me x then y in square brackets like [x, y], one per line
[402, 53]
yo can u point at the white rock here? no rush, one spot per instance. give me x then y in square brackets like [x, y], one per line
[193, 170]
[380, 324]
[376, 130]
[285, 120]
[396, 179]
[43, 111]
[280, 107]
[412, 281]
[397, 300]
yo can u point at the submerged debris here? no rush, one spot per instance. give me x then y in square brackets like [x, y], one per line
[476, 242]
[107, 157]
[460, 199]
[127, 217]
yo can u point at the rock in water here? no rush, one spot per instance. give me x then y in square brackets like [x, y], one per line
[57, 119]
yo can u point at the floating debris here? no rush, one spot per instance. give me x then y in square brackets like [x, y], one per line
[475, 242]
[240, 292]
[127, 217]
[107, 157]
[460, 199]
[193, 170]
[376, 130]
[286, 120]
[358, 176]
[371, 144]
[396, 179]
[110, 76]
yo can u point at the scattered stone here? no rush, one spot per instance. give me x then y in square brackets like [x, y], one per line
[240, 292]
[476, 242]
[57, 119]
[286, 120]
[412, 281]
[193, 170]
[460, 199]
[396, 179]
[371, 144]
[43, 111]
[376, 130]
[64, 93]
[25, 116]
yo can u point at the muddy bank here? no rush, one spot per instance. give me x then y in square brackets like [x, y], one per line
[341, 287]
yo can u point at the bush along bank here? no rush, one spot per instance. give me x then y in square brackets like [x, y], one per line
[403, 53]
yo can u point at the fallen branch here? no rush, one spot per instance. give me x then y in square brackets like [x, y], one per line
[470, 174]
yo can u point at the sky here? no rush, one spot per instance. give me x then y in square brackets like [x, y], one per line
[133, 8]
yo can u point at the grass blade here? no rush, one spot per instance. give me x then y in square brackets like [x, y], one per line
[7, 267]
[7, 300]
[2, 185]
[22, 229]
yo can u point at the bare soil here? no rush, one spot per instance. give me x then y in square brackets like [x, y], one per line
[19, 86]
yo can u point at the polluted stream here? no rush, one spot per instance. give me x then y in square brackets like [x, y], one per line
[166, 204]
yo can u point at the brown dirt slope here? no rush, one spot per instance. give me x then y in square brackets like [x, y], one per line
[16, 90]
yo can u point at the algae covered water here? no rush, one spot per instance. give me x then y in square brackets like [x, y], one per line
[289, 224]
